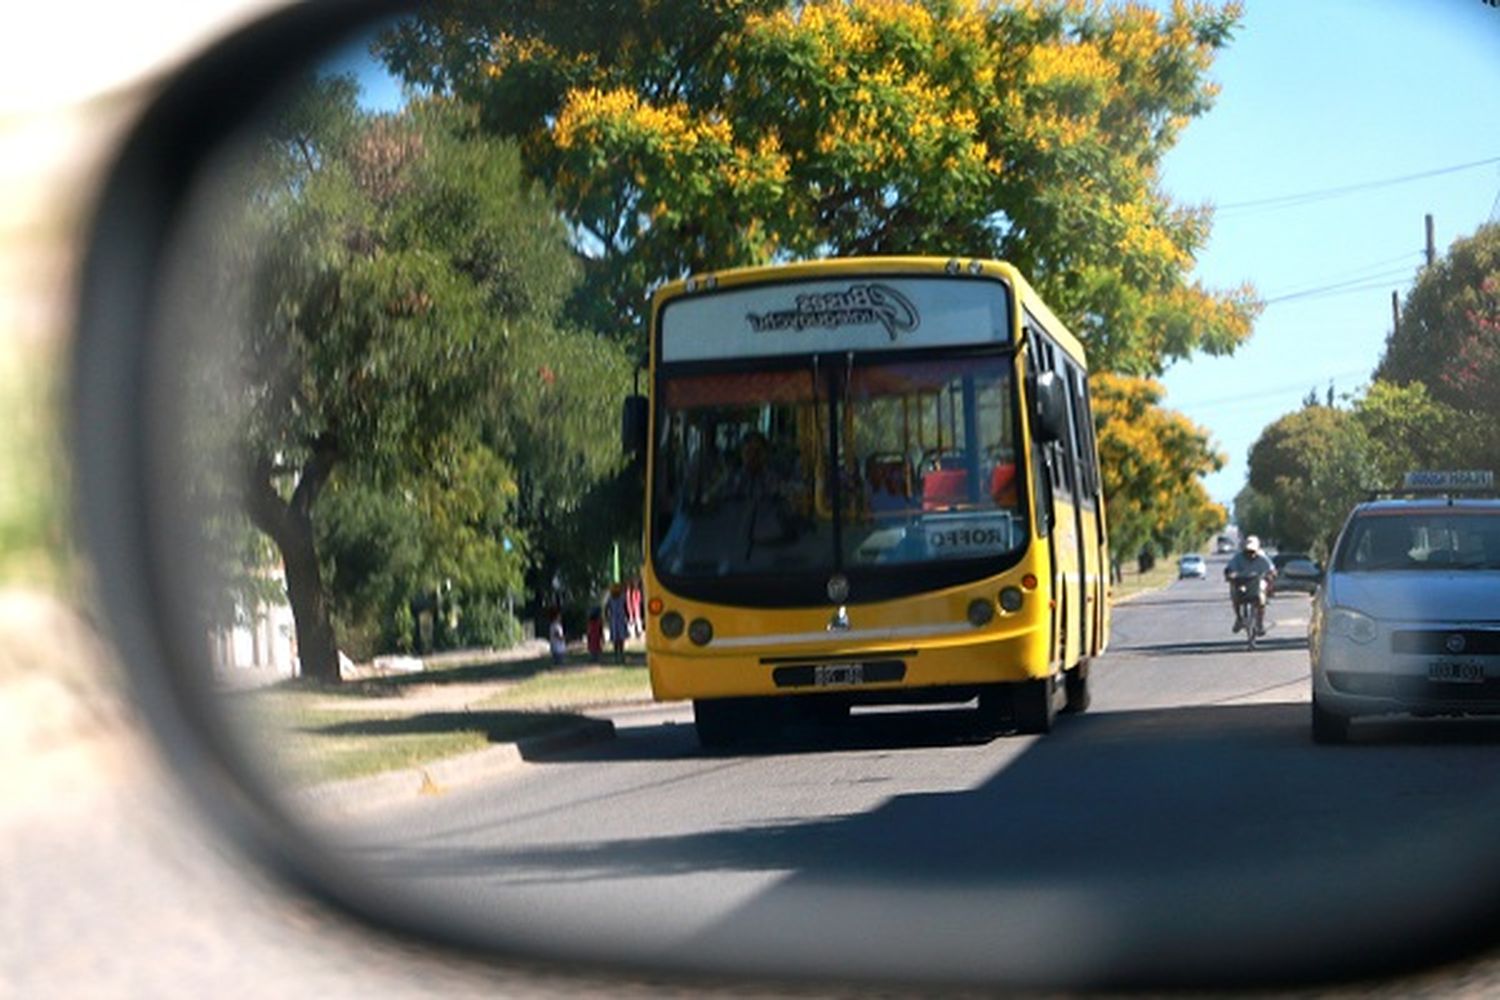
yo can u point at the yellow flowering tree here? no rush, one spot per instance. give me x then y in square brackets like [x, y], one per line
[687, 135]
[680, 136]
[1151, 460]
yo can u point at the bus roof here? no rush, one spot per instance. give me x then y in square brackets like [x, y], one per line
[958, 267]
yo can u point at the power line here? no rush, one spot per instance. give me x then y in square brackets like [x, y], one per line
[1364, 272]
[1307, 197]
[1280, 390]
[1339, 288]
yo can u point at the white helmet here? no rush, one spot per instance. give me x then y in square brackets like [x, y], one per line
[1252, 544]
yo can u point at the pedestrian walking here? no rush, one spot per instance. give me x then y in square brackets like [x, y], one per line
[595, 635]
[557, 639]
[633, 602]
[619, 621]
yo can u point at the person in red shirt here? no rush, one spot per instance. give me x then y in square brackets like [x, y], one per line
[595, 635]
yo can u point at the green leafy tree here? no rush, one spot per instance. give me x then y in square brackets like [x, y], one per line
[683, 136]
[1313, 465]
[1406, 429]
[1254, 513]
[403, 349]
[1448, 341]
[1449, 334]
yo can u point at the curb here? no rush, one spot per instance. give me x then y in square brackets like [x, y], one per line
[343, 799]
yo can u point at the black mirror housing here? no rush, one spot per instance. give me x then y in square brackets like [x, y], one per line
[635, 420]
[1049, 407]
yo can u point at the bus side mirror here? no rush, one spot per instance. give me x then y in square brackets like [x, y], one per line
[1049, 407]
[634, 421]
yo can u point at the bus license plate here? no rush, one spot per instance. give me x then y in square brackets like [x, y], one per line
[1455, 672]
[837, 674]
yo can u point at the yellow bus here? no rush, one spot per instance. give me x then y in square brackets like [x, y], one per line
[868, 481]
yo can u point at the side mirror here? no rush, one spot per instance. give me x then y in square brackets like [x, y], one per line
[635, 421]
[1049, 407]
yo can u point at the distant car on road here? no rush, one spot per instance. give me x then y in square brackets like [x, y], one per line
[1296, 571]
[1192, 566]
[1224, 545]
[1405, 621]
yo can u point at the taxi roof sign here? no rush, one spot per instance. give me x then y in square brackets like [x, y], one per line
[1450, 480]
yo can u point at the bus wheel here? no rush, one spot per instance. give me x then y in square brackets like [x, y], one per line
[1076, 683]
[995, 708]
[720, 722]
[1034, 707]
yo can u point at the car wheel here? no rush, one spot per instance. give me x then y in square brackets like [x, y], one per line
[1328, 727]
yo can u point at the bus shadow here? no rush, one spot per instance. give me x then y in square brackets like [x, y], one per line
[1217, 840]
[907, 728]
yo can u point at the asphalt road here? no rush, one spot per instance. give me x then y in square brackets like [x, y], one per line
[1184, 830]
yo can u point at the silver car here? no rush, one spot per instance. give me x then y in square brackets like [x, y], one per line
[1407, 620]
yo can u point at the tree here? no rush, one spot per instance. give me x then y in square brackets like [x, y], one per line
[1406, 428]
[1449, 342]
[683, 136]
[1152, 461]
[1254, 513]
[1449, 335]
[1314, 465]
[402, 348]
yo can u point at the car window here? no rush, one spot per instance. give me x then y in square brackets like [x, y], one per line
[1427, 542]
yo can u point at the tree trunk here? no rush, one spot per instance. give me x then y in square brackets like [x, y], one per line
[288, 523]
[316, 647]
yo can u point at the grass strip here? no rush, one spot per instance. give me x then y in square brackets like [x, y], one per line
[307, 743]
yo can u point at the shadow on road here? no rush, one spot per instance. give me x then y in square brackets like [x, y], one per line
[1217, 647]
[1176, 845]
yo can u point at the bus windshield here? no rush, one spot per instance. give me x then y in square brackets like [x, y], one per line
[863, 463]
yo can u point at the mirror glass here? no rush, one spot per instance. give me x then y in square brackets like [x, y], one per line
[398, 326]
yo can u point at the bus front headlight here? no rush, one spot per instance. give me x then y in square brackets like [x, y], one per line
[1011, 599]
[701, 632]
[981, 612]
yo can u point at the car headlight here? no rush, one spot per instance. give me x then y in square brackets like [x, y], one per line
[1352, 625]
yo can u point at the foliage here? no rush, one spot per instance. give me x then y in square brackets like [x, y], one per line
[1432, 405]
[683, 136]
[1449, 334]
[1152, 461]
[1406, 429]
[1254, 513]
[1314, 465]
[403, 358]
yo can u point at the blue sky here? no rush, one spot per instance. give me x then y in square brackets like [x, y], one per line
[1316, 95]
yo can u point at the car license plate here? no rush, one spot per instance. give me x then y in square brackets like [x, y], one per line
[836, 674]
[1455, 672]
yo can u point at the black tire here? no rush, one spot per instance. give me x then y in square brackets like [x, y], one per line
[1076, 685]
[720, 722]
[1032, 705]
[994, 708]
[1328, 727]
[823, 710]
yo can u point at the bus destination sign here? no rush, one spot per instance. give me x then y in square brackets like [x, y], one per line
[860, 312]
[858, 305]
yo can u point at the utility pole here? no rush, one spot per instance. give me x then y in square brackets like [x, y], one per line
[1431, 244]
[1395, 312]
